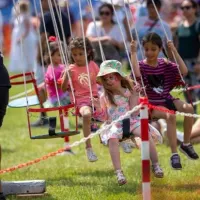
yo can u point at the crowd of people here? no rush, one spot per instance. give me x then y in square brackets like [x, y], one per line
[163, 54]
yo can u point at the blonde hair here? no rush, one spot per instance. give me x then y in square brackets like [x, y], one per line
[126, 82]
[23, 6]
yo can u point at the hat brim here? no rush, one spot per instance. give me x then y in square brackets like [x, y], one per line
[100, 74]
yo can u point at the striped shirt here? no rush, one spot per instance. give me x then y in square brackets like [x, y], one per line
[160, 80]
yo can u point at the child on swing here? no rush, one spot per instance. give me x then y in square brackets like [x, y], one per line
[55, 69]
[160, 76]
[52, 77]
[80, 82]
[118, 98]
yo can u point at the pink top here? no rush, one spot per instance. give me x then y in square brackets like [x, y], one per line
[49, 79]
[80, 80]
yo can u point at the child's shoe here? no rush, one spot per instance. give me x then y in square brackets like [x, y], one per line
[120, 177]
[157, 170]
[94, 127]
[189, 151]
[126, 147]
[175, 162]
[91, 155]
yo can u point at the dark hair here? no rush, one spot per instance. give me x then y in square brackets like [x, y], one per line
[194, 5]
[54, 47]
[193, 2]
[110, 7]
[78, 42]
[158, 3]
[154, 38]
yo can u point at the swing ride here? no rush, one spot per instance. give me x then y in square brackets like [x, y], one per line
[63, 110]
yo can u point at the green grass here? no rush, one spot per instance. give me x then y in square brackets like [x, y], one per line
[74, 178]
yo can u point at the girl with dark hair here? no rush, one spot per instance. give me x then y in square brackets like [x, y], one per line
[188, 44]
[151, 23]
[55, 69]
[160, 76]
[108, 32]
[80, 82]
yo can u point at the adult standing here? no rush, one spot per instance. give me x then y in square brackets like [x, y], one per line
[188, 44]
[109, 34]
[151, 23]
[4, 96]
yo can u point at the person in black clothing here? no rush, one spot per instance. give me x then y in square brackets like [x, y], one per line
[4, 97]
[48, 26]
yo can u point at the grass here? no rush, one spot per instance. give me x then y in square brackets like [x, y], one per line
[74, 178]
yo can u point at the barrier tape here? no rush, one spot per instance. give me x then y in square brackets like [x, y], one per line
[77, 143]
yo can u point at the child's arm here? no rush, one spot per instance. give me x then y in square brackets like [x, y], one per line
[101, 109]
[65, 79]
[180, 62]
[134, 60]
[134, 98]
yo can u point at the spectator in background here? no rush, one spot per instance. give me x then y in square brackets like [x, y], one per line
[151, 23]
[109, 35]
[188, 44]
[24, 40]
[4, 97]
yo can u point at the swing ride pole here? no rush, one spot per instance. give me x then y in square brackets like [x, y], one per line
[146, 187]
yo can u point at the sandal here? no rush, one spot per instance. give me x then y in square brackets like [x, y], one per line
[120, 177]
[157, 170]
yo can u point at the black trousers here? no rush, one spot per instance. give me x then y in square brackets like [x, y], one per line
[4, 97]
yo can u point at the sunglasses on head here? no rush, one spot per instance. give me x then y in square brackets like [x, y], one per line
[185, 7]
[105, 13]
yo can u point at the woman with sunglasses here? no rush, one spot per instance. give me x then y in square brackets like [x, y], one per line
[109, 34]
[188, 44]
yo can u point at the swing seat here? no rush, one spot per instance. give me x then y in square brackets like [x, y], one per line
[52, 131]
[56, 135]
[22, 102]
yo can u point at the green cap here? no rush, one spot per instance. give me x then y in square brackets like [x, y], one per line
[110, 66]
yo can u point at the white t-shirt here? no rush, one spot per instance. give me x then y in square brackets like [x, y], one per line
[143, 25]
[114, 32]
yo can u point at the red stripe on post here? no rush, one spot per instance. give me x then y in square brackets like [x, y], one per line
[144, 130]
[145, 171]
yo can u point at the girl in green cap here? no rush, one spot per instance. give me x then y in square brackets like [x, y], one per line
[118, 98]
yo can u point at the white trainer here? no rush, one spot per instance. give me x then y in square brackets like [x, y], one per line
[91, 155]
[126, 147]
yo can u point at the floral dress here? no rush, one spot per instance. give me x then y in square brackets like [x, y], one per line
[113, 113]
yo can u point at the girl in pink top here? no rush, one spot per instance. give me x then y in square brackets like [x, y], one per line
[55, 69]
[80, 82]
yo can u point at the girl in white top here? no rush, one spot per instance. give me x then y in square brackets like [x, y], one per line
[108, 32]
[24, 40]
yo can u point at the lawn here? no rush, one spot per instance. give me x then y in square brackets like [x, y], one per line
[74, 178]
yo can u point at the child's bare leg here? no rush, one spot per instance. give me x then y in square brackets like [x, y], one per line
[186, 147]
[86, 113]
[195, 130]
[171, 127]
[188, 121]
[114, 153]
[153, 152]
